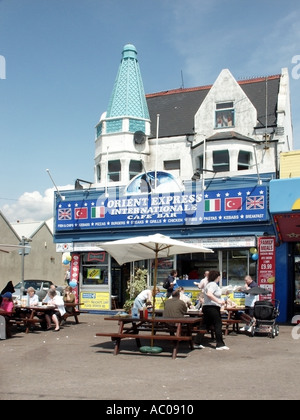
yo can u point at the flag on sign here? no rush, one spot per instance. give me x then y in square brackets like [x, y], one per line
[212, 205]
[80, 213]
[64, 214]
[255, 202]
[234, 203]
[98, 212]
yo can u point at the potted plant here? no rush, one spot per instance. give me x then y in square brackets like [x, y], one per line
[135, 285]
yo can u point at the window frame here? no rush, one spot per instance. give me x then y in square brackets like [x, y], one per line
[242, 166]
[132, 171]
[171, 165]
[224, 115]
[114, 175]
[221, 164]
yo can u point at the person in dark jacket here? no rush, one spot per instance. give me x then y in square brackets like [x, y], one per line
[171, 282]
[8, 288]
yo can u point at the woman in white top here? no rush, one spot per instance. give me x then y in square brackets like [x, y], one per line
[212, 307]
[33, 299]
[144, 298]
[58, 312]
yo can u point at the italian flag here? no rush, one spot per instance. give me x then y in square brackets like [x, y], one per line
[212, 205]
[98, 212]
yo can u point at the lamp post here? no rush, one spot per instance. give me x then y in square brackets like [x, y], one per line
[23, 252]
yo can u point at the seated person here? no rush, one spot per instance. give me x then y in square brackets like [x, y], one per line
[6, 309]
[57, 312]
[33, 300]
[7, 304]
[68, 297]
[229, 303]
[47, 297]
[199, 301]
[33, 297]
[185, 298]
[175, 307]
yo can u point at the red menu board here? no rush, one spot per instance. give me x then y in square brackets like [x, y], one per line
[266, 265]
[74, 275]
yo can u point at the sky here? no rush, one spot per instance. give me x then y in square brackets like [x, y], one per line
[59, 60]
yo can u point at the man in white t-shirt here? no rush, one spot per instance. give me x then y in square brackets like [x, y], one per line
[249, 304]
[203, 282]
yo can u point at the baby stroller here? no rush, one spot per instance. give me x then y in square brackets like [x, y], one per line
[264, 319]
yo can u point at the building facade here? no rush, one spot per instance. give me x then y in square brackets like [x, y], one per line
[194, 164]
[41, 263]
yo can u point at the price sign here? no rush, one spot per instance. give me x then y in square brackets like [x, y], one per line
[266, 265]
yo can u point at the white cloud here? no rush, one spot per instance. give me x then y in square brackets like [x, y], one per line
[32, 206]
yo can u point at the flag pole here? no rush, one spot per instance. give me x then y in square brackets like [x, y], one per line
[156, 150]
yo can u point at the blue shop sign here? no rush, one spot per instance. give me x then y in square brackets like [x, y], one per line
[165, 209]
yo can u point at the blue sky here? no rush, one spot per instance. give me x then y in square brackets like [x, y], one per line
[62, 56]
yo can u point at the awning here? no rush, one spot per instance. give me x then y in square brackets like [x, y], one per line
[285, 208]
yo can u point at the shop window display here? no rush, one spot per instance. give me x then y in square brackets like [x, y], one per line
[95, 268]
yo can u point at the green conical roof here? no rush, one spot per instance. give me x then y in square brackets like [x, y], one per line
[128, 96]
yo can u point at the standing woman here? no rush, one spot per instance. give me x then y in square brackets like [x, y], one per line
[144, 298]
[212, 306]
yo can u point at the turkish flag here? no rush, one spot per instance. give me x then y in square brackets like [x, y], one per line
[81, 213]
[234, 203]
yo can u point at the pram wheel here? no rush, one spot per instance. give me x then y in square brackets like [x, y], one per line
[277, 329]
[273, 332]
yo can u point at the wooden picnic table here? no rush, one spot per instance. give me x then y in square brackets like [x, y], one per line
[231, 319]
[166, 329]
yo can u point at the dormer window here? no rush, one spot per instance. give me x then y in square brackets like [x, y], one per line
[224, 115]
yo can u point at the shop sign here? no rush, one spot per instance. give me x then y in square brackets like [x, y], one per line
[95, 301]
[266, 265]
[157, 210]
[224, 242]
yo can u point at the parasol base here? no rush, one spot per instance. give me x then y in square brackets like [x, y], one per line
[150, 349]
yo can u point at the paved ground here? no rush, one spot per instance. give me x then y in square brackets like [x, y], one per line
[74, 364]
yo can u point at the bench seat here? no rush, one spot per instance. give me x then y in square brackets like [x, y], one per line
[75, 314]
[116, 337]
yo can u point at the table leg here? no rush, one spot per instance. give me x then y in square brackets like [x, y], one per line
[175, 349]
[138, 342]
[227, 325]
[189, 332]
[117, 345]
[27, 321]
[176, 343]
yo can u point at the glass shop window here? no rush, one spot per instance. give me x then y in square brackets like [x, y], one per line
[95, 268]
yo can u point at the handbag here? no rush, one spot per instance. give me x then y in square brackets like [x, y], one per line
[166, 284]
